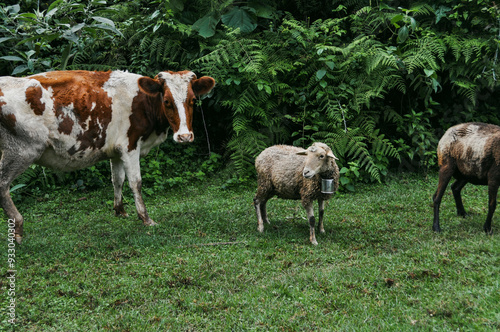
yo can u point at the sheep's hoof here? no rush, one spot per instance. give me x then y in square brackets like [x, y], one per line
[18, 238]
[260, 228]
[314, 242]
[121, 214]
[322, 230]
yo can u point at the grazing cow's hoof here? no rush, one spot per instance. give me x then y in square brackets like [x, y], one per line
[150, 223]
[260, 228]
[436, 229]
[18, 238]
[489, 231]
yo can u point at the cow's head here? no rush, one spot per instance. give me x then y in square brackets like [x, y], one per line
[179, 90]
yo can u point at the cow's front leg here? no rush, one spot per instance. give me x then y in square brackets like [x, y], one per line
[133, 172]
[118, 177]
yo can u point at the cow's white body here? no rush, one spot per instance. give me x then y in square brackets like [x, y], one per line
[71, 120]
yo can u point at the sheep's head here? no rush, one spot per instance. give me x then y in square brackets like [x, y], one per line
[318, 158]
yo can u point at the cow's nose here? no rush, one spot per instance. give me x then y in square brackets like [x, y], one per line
[185, 138]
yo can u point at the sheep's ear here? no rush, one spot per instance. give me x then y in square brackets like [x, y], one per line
[302, 153]
[331, 155]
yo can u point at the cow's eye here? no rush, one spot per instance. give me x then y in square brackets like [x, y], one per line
[168, 104]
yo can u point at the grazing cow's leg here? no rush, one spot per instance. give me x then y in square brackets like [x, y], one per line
[11, 166]
[118, 177]
[456, 188]
[133, 172]
[308, 206]
[445, 173]
[321, 213]
[492, 203]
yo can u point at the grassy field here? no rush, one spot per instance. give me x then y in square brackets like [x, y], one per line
[206, 268]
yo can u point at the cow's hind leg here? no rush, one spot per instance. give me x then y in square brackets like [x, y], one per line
[445, 174]
[133, 172]
[11, 166]
[118, 177]
[456, 189]
[492, 204]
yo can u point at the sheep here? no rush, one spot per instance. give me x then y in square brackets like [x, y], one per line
[470, 152]
[294, 173]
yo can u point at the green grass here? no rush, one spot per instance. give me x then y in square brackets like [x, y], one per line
[378, 266]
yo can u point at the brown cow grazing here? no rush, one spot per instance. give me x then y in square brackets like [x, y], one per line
[69, 120]
[469, 152]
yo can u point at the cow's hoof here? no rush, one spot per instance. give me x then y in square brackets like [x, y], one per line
[18, 238]
[436, 229]
[260, 228]
[150, 223]
[488, 231]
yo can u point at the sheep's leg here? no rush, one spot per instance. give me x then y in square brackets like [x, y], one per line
[260, 209]
[445, 173]
[308, 206]
[321, 213]
[492, 204]
[263, 211]
[456, 188]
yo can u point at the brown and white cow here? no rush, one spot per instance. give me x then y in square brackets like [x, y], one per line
[69, 120]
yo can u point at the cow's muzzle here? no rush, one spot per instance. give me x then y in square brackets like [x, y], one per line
[185, 138]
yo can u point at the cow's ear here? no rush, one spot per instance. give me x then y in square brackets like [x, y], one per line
[149, 85]
[203, 85]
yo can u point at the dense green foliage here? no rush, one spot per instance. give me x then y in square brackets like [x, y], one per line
[205, 267]
[379, 81]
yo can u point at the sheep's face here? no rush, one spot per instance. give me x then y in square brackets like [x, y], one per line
[318, 158]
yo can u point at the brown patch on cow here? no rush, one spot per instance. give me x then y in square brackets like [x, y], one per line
[170, 111]
[456, 149]
[34, 98]
[188, 106]
[66, 125]
[469, 154]
[148, 116]
[82, 94]
[8, 121]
